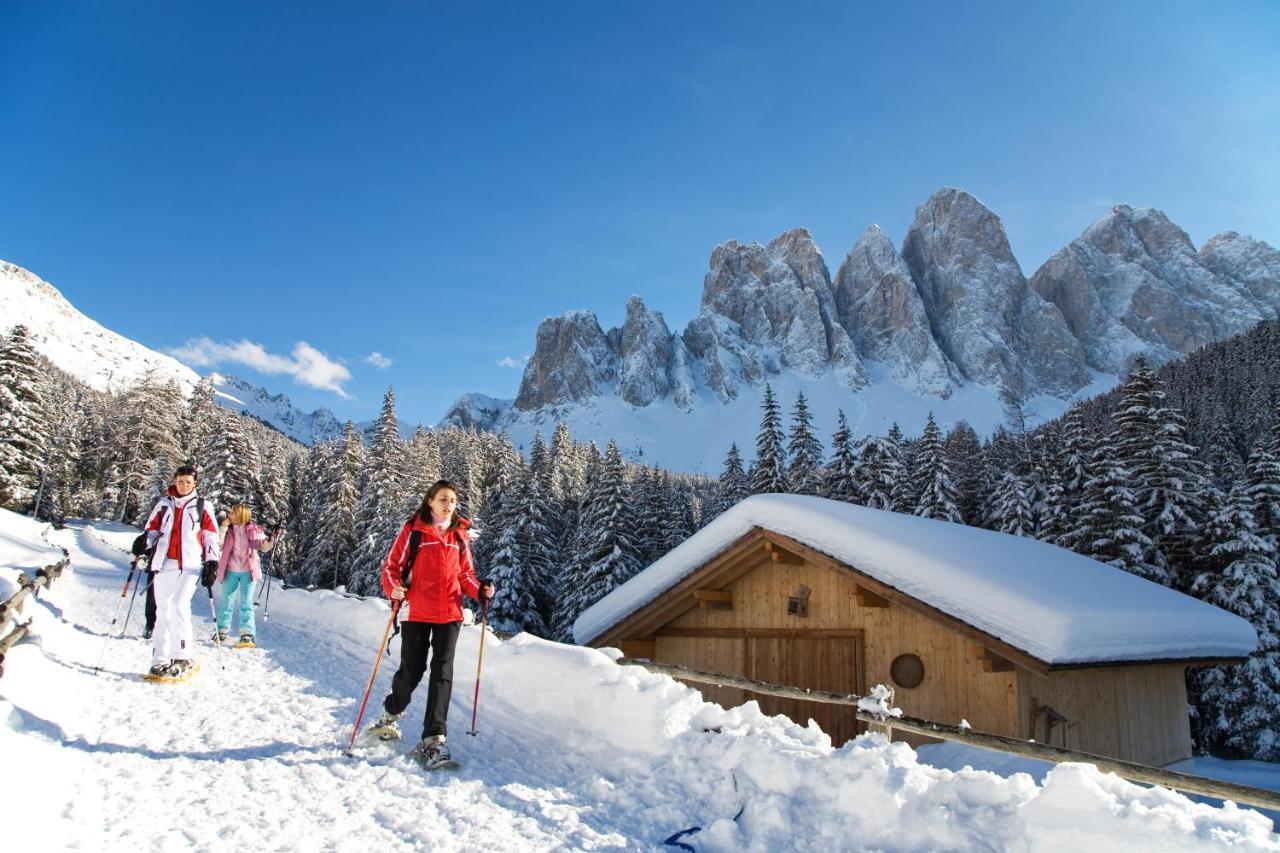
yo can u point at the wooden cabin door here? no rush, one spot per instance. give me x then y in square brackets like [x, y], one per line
[833, 664]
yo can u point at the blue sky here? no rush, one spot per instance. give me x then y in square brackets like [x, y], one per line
[299, 185]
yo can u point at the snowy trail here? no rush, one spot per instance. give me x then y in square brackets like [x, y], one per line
[252, 745]
[574, 752]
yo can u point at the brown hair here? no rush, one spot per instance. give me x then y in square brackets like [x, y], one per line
[424, 512]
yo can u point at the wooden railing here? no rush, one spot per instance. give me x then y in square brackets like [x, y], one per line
[26, 586]
[1260, 797]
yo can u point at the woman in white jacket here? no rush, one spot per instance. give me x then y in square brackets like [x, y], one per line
[184, 534]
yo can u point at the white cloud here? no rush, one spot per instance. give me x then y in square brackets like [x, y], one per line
[378, 360]
[512, 361]
[308, 365]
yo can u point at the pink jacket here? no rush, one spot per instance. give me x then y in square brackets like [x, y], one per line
[239, 562]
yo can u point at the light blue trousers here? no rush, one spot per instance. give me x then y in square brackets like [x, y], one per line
[237, 584]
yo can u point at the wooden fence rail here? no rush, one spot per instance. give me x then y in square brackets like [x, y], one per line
[27, 586]
[1259, 797]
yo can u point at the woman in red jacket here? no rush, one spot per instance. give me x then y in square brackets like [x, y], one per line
[432, 588]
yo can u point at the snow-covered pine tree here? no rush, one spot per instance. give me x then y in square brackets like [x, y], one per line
[274, 510]
[767, 474]
[840, 480]
[1012, 512]
[230, 475]
[1263, 474]
[878, 473]
[1167, 479]
[517, 608]
[572, 601]
[804, 452]
[968, 465]
[24, 424]
[147, 430]
[540, 533]
[672, 517]
[609, 555]
[1239, 707]
[733, 484]
[201, 417]
[1108, 526]
[378, 518]
[330, 555]
[934, 487]
[1077, 449]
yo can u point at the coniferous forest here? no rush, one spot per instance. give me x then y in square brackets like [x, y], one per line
[1174, 476]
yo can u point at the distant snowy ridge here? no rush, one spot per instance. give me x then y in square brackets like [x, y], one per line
[107, 361]
[943, 325]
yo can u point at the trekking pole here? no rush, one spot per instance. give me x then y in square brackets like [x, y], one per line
[395, 611]
[128, 614]
[484, 629]
[266, 609]
[110, 628]
[213, 614]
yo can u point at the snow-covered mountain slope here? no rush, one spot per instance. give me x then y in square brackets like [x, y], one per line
[82, 347]
[944, 325]
[572, 751]
[111, 362]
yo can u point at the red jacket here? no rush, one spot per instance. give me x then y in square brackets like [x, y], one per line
[442, 571]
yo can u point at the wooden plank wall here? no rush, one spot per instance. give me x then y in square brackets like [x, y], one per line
[1138, 713]
[955, 686]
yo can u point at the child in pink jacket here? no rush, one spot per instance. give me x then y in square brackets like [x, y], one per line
[239, 568]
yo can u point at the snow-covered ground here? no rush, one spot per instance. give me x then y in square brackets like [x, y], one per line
[573, 751]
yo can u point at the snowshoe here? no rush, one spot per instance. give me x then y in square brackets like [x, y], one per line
[219, 637]
[432, 753]
[174, 672]
[246, 642]
[385, 728]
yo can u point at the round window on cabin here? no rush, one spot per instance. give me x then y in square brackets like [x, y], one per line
[907, 671]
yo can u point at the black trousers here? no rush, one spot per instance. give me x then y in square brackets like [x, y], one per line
[151, 602]
[416, 639]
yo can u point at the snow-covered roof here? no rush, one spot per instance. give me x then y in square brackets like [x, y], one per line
[1055, 605]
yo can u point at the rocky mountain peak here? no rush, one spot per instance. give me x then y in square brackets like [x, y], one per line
[984, 317]
[879, 306]
[571, 360]
[644, 345]
[1133, 282]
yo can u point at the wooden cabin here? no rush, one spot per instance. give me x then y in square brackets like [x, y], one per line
[1017, 637]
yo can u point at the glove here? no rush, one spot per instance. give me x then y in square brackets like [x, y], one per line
[139, 545]
[209, 574]
[487, 591]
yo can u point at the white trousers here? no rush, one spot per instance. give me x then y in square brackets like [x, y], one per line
[173, 639]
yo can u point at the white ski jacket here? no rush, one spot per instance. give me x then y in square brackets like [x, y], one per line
[199, 536]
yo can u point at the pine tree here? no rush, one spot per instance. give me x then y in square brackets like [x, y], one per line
[1167, 478]
[1239, 707]
[608, 556]
[878, 475]
[1109, 528]
[933, 484]
[24, 425]
[541, 532]
[767, 473]
[733, 481]
[1012, 512]
[274, 510]
[804, 452]
[230, 475]
[335, 529]
[840, 481]
[377, 513]
[518, 607]
[1263, 475]
[968, 463]
[202, 416]
[147, 428]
